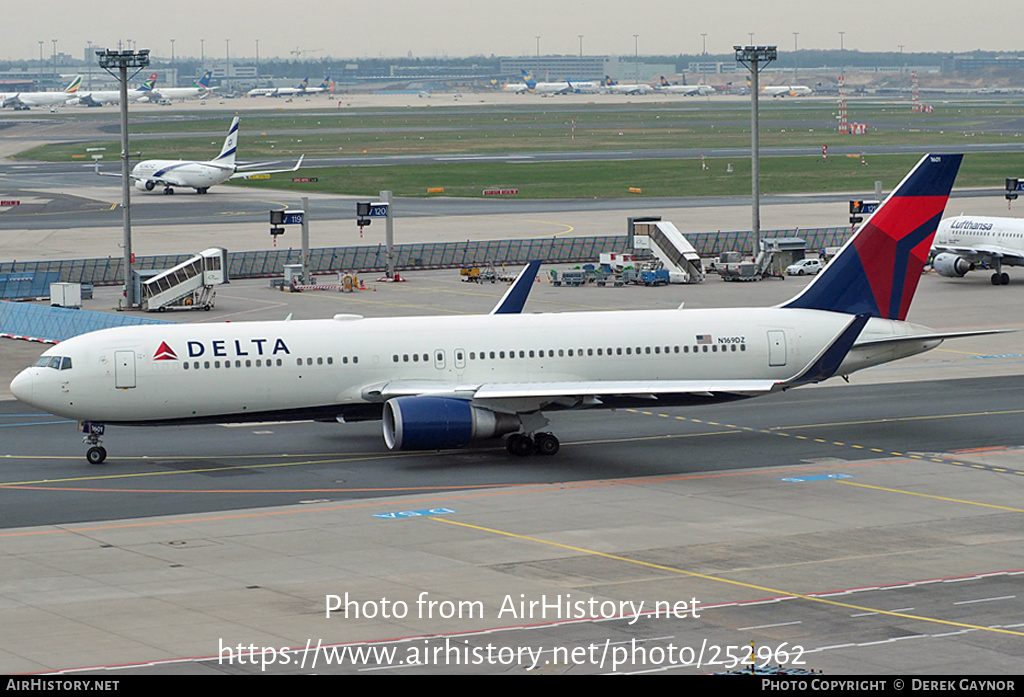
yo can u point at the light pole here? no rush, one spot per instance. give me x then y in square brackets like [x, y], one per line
[227, 63]
[54, 59]
[88, 60]
[703, 56]
[174, 80]
[202, 55]
[581, 44]
[795, 59]
[257, 62]
[842, 55]
[756, 59]
[122, 60]
[636, 57]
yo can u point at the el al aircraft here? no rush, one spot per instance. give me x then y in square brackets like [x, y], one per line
[965, 242]
[197, 174]
[444, 382]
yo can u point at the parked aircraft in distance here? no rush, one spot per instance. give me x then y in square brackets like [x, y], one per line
[24, 100]
[689, 90]
[545, 87]
[583, 86]
[965, 242]
[200, 89]
[302, 88]
[103, 97]
[613, 87]
[444, 382]
[785, 91]
[196, 174]
[324, 86]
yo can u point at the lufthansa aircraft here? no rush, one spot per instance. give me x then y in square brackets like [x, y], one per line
[197, 174]
[443, 382]
[964, 242]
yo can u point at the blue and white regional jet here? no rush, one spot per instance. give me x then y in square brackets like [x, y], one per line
[444, 382]
[196, 174]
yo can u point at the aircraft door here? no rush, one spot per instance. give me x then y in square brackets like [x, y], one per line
[124, 369]
[776, 348]
[439, 359]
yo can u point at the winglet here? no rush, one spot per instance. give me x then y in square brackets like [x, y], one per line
[514, 299]
[828, 361]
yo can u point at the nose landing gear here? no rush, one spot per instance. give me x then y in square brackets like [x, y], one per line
[96, 453]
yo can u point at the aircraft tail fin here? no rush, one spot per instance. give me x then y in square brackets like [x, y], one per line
[664, 82]
[528, 79]
[75, 84]
[227, 153]
[514, 300]
[149, 84]
[326, 83]
[204, 81]
[608, 81]
[877, 271]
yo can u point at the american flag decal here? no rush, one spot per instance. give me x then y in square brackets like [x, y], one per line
[703, 338]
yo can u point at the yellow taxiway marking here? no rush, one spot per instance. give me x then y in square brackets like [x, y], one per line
[718, 579]
[932, 496]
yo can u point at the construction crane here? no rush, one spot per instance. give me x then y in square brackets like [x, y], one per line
[301, 53]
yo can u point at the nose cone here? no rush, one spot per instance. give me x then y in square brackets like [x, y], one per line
[21, 386]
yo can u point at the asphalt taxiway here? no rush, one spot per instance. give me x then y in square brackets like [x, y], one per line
[868, 528]
[857, 529]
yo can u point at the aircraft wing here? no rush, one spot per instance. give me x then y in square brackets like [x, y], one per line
[165, 179]
[246, 174]
[522, 397]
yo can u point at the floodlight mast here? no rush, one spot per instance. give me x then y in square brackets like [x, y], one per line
[122, 60]
[756, 59]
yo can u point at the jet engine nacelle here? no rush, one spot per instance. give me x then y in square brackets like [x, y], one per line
[144, 185]
[435, 423]
[951, 265]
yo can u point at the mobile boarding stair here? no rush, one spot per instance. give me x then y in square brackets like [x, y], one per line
[189, 285]
[676, 253]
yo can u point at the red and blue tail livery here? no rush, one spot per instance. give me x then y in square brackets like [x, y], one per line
[877, 270]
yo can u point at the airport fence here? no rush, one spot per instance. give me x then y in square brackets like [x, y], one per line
[436, 255]
[52, 325]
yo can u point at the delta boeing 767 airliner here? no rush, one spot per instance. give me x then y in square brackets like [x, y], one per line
[443, 382]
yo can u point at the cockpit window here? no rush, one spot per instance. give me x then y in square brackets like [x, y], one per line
[55, 362]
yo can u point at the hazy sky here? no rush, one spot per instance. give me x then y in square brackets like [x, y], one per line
[430, 28]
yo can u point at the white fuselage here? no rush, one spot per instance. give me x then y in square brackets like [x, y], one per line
[786, 91]
[183, 172]
[972, 231]
[232, 371]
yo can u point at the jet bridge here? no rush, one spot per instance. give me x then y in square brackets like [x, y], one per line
[189, 285]
[675, 251]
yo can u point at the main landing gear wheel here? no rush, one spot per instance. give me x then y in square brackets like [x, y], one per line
[96, 455]
[521, 445]
[168, 190]
[1000, 279]
[546, 444]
